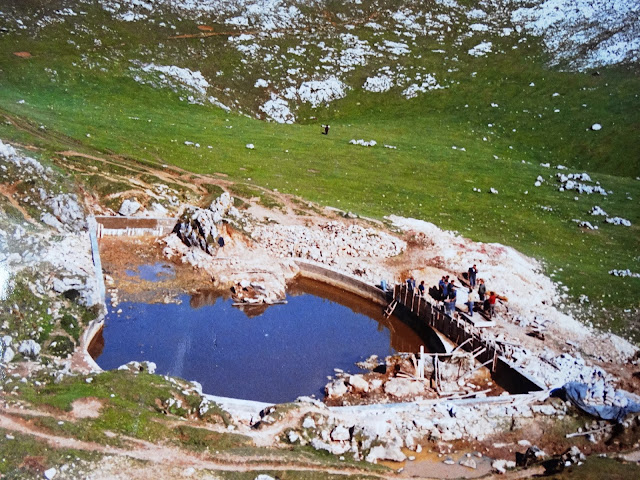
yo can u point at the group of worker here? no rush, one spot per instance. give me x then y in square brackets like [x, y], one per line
[446, 293]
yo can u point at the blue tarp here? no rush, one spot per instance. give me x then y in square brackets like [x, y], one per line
[576, 393]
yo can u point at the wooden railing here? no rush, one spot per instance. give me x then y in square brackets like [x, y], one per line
[457, 329]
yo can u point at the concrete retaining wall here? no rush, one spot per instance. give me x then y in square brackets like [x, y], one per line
[134, 226]
[349, 283]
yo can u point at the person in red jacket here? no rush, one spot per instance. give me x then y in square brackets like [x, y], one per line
[492, 304]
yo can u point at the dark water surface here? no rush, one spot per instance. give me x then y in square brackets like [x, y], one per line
[271, 355]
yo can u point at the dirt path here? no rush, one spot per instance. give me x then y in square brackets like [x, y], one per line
[166, 455]
[7, 191]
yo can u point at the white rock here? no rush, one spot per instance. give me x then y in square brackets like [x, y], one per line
[29, 348]
[49, 474]
[129, 207]
[308, 422]
[250, 146]
[340, 434]
[403, 387]
[8, 355]
[596, 127]
[359, 383]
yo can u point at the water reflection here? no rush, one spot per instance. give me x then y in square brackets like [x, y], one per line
[286, 351]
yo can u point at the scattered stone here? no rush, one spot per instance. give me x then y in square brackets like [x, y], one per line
[49, 474]
[618, 221]
[501, 466]
[469, 463]
[293, 436]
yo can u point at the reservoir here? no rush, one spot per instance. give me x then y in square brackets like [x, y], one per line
[266, 353]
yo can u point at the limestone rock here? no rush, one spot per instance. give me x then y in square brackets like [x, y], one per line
[380, 452]
[8, 355]
[49, 474]
[49, 219]
[129, 207]
[359, 383]
[66, 209]
[469, 463]
[403, 387]
[334, 448]
[500, 466]
[308, 422]
[197, 227]
[340, 434]
[337, 388]
[29, 348]
[293, 436]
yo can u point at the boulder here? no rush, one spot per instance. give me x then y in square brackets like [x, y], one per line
[29, 348]
[8, 355]
[337, 388]
[390, 452]
[308, 422]
[197, 228]
[501, 466]
[403, 387]
[129, 207]
[468, 462]
[359, 383]
[340, 434]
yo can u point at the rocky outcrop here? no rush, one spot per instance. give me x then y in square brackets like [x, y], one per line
[200, 227]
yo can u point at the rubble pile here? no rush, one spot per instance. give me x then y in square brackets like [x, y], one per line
[398, 379]
[380, 432]
[329, 241]
[55, 208]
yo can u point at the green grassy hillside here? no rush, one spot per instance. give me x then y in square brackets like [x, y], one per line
[495, 120]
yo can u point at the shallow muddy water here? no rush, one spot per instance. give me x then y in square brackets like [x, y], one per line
[272, 355]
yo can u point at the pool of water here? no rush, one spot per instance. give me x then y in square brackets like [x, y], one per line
[153, 273]
[271, 355]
